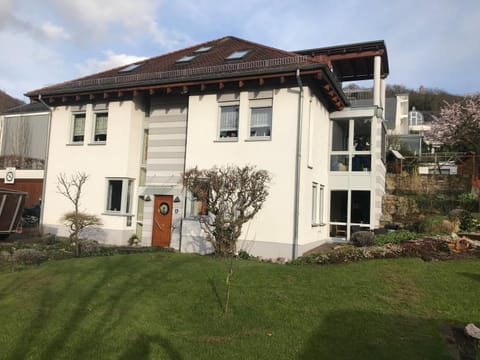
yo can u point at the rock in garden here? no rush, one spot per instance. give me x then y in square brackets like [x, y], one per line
[472, 331]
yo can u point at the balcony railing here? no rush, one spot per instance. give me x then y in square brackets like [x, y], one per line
[359, 97]
[23, 163]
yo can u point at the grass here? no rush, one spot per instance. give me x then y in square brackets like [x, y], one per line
[169, 306]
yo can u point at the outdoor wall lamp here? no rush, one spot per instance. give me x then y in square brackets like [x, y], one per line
[147, 198]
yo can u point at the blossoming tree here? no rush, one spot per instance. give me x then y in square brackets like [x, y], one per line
[458, 125]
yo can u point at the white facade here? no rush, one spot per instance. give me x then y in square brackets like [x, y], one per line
[116, 158]
[271, 232]
[184, 133]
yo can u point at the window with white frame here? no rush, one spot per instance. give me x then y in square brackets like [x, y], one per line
[100, 130]
[78, 128]
[261, 122]
[195, 205]
[260, 103]
[119, 193]
[317, 204]
[229, 122]
[351, 145]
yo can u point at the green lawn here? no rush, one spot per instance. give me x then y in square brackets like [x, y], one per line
[169, 306]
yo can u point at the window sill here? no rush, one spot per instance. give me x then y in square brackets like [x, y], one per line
[259, 138]
[79, 143]
[319, 225]
[97, 143]
[195, 218]
[227, 140]
[116, 213]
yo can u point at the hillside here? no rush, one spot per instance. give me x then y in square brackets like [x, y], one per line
[424, 99]
[7, 102]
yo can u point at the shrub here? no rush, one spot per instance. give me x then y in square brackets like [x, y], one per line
[29, 257]
[467, 221]
[242, 254]
[363, 238]
[133, 240]
[436, 224]
[394, 237]
[351, 254]
[89, 248]
[5, 257]
[469, 201]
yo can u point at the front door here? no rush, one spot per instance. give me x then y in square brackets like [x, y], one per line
[162, 220]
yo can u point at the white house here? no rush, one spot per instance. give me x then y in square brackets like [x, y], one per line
[135, 129]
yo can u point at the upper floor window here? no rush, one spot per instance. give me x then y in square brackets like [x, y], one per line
[229, 121]
[78, 128]
[261, 122]
[260, 114]
[351, 145]
[100, 131]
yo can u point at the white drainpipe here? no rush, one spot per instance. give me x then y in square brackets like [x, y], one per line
[297, 167]
[45, 168]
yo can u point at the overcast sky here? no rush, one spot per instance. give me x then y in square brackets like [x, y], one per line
[434, 43]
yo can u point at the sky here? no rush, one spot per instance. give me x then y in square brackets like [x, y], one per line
[434, 43]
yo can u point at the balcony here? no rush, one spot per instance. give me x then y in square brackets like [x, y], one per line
[21, 163]
[359, 97]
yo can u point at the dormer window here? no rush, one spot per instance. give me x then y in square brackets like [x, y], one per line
[186, 58]
[131, 67]
[237, 55]
[203, 49]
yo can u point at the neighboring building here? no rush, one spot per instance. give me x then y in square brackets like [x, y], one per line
[8, 102]
[23, 142]
[135, 129]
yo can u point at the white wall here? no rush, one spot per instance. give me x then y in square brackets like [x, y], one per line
[119, 157]
[314, 168]
[270, 233]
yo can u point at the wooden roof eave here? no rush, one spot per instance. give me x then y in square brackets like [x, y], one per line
[201, 83]
[336, 98]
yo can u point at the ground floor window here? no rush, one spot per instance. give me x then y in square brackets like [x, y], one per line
[317, 204]
[349, 212]
[119, 193]
[195, 205]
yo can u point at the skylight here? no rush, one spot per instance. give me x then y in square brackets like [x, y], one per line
[130, 67]
[203, 49]
[186, 58]
[239, 54]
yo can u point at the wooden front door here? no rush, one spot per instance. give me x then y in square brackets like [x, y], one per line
[162, 220]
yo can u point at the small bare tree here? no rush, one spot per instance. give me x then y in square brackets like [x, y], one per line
[232, 196]
[77, 221]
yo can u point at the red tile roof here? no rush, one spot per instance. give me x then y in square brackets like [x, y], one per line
[211, 64]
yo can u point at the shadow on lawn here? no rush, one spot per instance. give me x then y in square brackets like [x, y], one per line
[213, 285]
[372, 335]
[113, 309]
[471, 276]
[142, 348]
